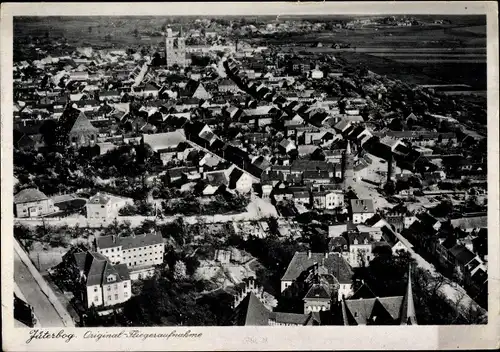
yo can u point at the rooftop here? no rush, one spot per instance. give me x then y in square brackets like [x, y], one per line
[29, 195]
[134, 241]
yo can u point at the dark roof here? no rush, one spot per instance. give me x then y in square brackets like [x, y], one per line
[294, 318]
[251, 311]
[362, 311]
[29, 195]
[95, 267]
[362, 206]
[462, 254]
[318, 291]
[373, 220]
[334, 264]
[147, 239]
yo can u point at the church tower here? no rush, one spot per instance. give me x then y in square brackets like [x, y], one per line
[408, 313]
[348, 167]
[175, 49]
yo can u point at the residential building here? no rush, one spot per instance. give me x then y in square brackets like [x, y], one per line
[30, 202]
[317, 268]
[103, 207]
[139, 253]
[240, 181]
[361, 210]
[102, 284]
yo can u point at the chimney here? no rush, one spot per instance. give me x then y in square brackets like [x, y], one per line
[326, 255]
[309, 254]
[114, 238]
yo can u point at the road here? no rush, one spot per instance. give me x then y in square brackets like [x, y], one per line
[43, 309]
[364, 190]
[450, 289]
[256, 210]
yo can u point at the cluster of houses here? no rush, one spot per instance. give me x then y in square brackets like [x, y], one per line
[288, 143]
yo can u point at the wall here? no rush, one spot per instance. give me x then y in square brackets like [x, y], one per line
[92, 293]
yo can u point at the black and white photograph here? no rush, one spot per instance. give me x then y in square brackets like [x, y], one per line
[251, 170]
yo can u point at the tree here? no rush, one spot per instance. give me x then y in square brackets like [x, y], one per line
[180, 270]
[443, 209]
[136, 32]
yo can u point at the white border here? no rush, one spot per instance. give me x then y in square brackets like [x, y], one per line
[277, 338]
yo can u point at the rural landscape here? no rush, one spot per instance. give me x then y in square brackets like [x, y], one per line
[250, 171]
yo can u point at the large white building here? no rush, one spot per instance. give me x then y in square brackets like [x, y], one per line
[140, 253]
[103, 284]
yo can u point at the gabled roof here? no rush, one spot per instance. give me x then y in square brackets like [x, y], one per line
[74, 120]
[96, 267]
[251, 311]
[363, 311]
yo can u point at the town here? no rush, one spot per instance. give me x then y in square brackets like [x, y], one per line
[248, 171]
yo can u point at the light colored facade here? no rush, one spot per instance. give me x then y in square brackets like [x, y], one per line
[32, 203]
[103, 207]
[140, 253]
[103, 284]
[34, 209]
[334, 199]
[244, 183]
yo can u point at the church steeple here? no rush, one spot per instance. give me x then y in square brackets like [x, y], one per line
[408, 314]
[348, 150]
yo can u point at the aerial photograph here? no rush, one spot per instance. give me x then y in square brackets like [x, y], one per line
[250, 170]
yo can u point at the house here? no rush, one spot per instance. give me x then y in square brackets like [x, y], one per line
[30, 202]
[316, 177]
[394, 242]
[359, 248]
[331, 267]
[195, 89]
[287, 145]
[361, 210]
[140, 253]
[302, 197]
[166, 144]
[317, 74]
[251, 311]
[266, 189]
[103, 207]
[240, 181]
[396, 310]
[76, 129]
[228, 85]
[109, 95]
[102, 283]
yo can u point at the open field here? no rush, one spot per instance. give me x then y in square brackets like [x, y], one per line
[423, 70]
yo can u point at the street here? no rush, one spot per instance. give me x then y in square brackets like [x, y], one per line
[43, 309]
[450, 289]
